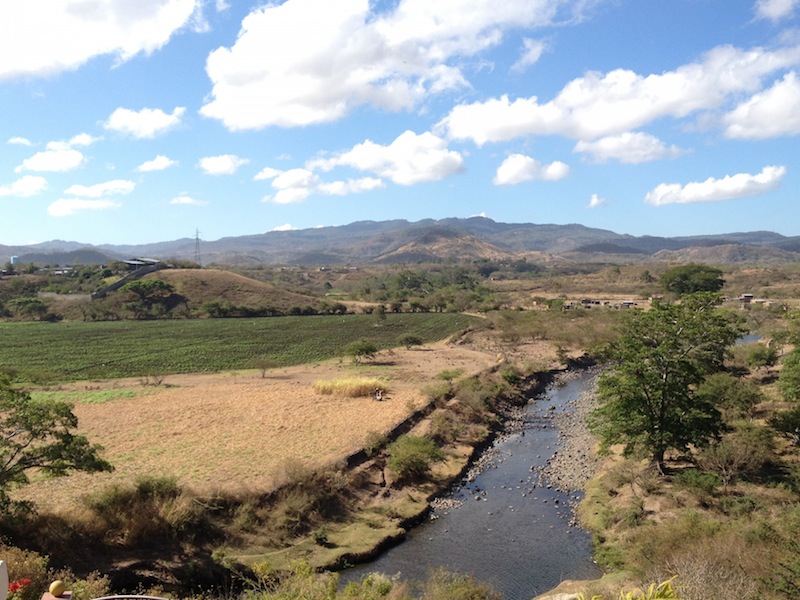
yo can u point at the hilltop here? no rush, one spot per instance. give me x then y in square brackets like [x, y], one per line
[200, 286]
[475, 238]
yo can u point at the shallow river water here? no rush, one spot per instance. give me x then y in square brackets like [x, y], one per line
[505, 527]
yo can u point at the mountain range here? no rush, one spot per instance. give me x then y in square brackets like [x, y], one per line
[475, 238]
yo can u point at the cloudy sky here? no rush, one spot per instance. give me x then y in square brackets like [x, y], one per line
[134, 121]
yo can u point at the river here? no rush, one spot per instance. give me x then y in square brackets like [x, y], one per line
[503, 526]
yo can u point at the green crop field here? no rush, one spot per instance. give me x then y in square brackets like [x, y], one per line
[73, 351]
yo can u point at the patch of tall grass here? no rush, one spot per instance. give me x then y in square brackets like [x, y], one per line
[89, 396]
[350, 387]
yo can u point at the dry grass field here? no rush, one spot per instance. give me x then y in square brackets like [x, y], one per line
[234, 432]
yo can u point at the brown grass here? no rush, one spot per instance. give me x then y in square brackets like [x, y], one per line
[202, 285]
[231, 432]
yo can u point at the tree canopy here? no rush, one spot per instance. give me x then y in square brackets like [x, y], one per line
[647, 397]
[39, 435]
[691, 279]
[789, 379]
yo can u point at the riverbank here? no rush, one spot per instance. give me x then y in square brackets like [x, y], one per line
[501, 522]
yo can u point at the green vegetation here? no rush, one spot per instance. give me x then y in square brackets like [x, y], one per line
[88, 396]
[411, 457]
[691, 279]
[789, 380]
[441, 288]
[37, 435]
[362, 349]
[72, 351]
[647, 398]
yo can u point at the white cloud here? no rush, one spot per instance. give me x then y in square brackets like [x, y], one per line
[775, 10]
[628, 147]
[21, 141]
[222, 5]
[117, 186]
[342, 55]
[24, 187]
[159, 163]
[37, 41]
[531, 55]
[351, 186]
[409, 159]
[287, 227]
[69, 206]
[224, 164]
[771, 113]
[144, 124]
[518, 168]
[714, 190]
[598, 104]
[185, 199]
[596, 201]
[267, 173]
[53, 161]
[295, 185]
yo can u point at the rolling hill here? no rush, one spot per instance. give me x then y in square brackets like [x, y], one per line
[475, 238]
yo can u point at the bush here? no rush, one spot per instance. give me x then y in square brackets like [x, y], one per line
[360, 350]
[411, 457]
[697, 482]
[442, 585]
[375, 441]
[410, 340]
[742, 454]
[761, 355]
[735, 397]
[789, 379]
[787, 424]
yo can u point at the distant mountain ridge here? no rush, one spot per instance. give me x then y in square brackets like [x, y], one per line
[474, 238]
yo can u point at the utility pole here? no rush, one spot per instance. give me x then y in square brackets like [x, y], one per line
[197, 247]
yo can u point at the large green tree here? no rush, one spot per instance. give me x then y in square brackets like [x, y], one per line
[647, 397]
[150, 298]
[691, 279]
[789, 379]
[39, 435]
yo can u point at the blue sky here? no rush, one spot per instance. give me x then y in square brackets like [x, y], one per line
[136, 121]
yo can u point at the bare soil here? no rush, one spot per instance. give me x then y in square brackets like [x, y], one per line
[234, 432]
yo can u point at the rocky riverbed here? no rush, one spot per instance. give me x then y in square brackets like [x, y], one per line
[575, 461]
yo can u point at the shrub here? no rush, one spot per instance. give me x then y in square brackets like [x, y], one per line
[308, 498]
[442, 585]
[360, 350]
[789, 379]
[761, 355]
[410, 457]
[697, 482]
[436, 391]
[445, 427]
[264, 365]
[787, 424]
[450, 374]
[375, 441]
[736, 397]
[153, 507]
[410, 340]
[741, 454]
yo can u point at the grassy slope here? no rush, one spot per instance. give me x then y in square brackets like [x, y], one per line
[204, 285]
